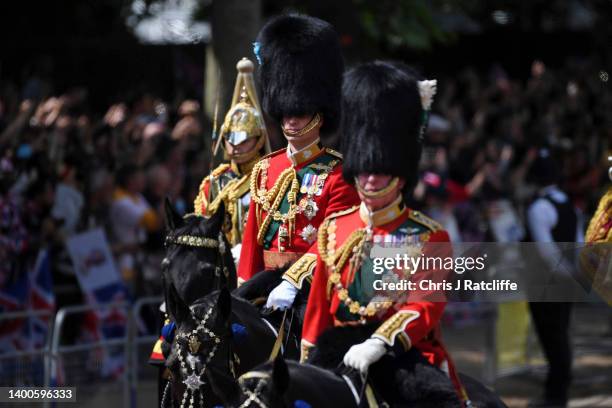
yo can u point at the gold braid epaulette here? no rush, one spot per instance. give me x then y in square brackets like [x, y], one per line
[201, 199]
[222, 168]
[425, 221]
[334, 153]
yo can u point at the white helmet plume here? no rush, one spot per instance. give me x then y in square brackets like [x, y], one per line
[427, 90]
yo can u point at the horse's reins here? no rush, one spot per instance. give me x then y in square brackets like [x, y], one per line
[279, 339]
[253, 396]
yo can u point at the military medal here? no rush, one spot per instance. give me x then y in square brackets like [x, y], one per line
[310, 209]
[283, 235]
[309, 234]
[309, 183]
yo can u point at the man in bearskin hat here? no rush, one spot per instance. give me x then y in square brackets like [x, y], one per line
[295, 188]
[244, 138]
[381, 141]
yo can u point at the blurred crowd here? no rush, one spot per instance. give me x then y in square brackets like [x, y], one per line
[65, 169]
[486, 131]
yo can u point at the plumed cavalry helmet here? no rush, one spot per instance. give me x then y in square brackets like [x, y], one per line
[300, 68]
[244, 120]
[385, 106]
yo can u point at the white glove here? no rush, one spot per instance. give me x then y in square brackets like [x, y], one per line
[282, 296]
[236, 253]
[361, 356]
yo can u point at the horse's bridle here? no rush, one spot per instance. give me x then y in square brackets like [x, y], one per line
[193, 381]
[254, 396]
[187, 360]
[203, 242]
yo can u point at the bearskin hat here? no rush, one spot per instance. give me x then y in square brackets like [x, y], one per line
[381, 122]
[300, 68]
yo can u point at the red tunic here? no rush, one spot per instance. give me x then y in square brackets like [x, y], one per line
[334, 195]
[413, 323]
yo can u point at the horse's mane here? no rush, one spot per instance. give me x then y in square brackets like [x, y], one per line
[244, 308]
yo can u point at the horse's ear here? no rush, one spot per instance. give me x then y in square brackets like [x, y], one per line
[215, 222]
[224, 386]
[224, 305]
[173, 219]
[177, 309]
[280, 375]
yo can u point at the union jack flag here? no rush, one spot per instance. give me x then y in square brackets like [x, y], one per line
[30, 292]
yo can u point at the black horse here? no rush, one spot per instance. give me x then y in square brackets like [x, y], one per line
[286, 384]
[197, 261]
[221, 332]
[198, 258]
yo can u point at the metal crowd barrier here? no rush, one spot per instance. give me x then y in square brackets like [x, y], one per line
[25, 367]
[87, 364]
[58, 359]
[80, 364]
[143, 378]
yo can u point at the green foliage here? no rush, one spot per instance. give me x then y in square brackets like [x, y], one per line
[398, 24]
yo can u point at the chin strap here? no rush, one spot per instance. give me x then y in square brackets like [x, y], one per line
[378, 193]
[314, 122]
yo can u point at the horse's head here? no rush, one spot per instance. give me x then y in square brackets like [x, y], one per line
[198, 258]
[262, 388]
[202, 342]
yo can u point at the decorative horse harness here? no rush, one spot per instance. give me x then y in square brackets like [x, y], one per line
[188, 359]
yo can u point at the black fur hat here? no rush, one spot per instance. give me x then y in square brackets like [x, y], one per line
[381, 122]
[300, 68]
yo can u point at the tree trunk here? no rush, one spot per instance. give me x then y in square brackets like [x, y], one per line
[235, 24]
